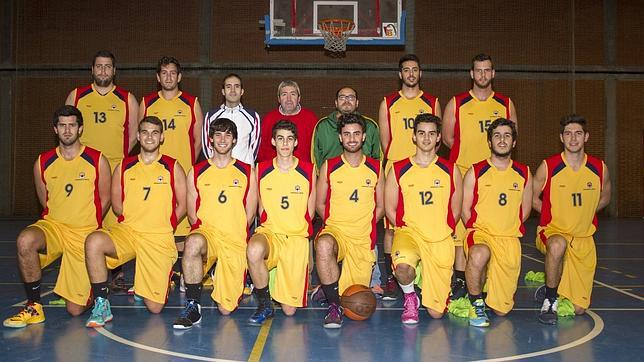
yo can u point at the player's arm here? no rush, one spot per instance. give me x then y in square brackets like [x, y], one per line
[179, 191]
[526, 202]
[468, 195]
[117, 203]
[322, 188]
[197, 129]
[104, 183]
[604, 196]
[383, 125]
[142, 109]
[191, 197]
[457, 196]
[513, 114]
[133, 123]
[538, 182]
[41, 189]
[437, 109]
[449, 122]
[251, 198]
[391, 196]
[380, 196]
[311, 203]
[70, 98]
[260, 205]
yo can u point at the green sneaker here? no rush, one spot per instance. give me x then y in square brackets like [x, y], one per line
[101, 314]
[478, 316]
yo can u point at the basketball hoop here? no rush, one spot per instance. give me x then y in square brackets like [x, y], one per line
[335, 33]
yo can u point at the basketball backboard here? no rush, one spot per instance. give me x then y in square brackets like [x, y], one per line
[295, 22]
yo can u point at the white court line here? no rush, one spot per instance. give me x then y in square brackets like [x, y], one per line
[122, 340]
[598, 282]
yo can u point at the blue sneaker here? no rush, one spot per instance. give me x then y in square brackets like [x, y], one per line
[190, 316]
[101, 313]
[478, 317]
[262, 313]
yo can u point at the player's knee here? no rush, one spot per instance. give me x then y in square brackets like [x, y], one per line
[405, 273]
[223, 310]
[500, 314]
[94, 242]
[255, 252]
[74, 310]
[26, 241]
[154, 308]
[324, 246]
[556, 246]
[478, 255]
[434, 314]
[192, 246]
[288, 310]
[579, 310]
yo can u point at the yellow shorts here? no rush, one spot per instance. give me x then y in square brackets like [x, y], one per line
[73, 281]
[230, 272]
[183, 228]
[503, 268]
[356, 256]
[580, 261]
[289, 256]
[155, 255]
[437, 260]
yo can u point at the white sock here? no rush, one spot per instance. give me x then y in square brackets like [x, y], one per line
[409, 288]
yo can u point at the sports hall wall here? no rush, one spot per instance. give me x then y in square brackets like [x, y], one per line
[552, 58]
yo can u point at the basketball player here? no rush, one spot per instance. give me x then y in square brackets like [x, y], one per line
[497, 199]
[396, 120]
[244, 117]
[288, 96]
[286, 204]
[73, 187]
[181, 116]
[423, 200]
[149, 195]
[350, 199]
[573, 187]
[222, 201]
[467, 116]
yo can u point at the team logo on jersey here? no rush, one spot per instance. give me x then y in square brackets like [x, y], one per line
[368, 181]
[496, 113]
[297, 188]
[160, 179]
[113, 106]
[235, 182]
[421, 111]
[179, 112]
[437, 182]
[81, 175]
[515, 185]
[589, 184]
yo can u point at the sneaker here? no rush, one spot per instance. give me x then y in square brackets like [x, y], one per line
[101, 313]
[262, 313]
[391, 289]
[478, 316]
[118, 284]
[190, 316]
[248, 289]
[32, 313]
[318, 295]
[333, 318]
[548, 313]
[458, 289]
[411, 305]
[540, 294]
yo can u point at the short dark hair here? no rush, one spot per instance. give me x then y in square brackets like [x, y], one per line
[222, 125]
[408, 57]
[151, 120]
[427, 118]
[67, 111]
[104, 54]
[351, 118]
[501, 122]
[230, 75]
[284, 124]
[167, 61]
[481, 58]
[572, 118]
[337, 93]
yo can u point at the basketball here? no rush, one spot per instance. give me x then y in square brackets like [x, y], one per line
[358, 302]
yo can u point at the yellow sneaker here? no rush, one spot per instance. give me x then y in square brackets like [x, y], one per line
[32, 313]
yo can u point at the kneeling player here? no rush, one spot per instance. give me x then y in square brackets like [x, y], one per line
[423, 200]
[149, 195]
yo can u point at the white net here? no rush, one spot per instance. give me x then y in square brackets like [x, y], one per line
[335, 33]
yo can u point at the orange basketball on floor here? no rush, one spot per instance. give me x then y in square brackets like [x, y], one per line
[358, 302]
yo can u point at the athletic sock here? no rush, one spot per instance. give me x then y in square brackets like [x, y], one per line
[474, 298]
[407, 288]
[100, 289]
[193, 291]
[177, 265]
[551, 293]
[388, 264]
[33, 291]
[331, 293]
[263, 295]
[459, 274]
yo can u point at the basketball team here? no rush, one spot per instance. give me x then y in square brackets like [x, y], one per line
[127, 180]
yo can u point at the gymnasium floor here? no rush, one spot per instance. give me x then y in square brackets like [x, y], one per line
[608, 332]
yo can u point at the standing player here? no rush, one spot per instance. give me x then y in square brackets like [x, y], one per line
[73, 187]
[288, 96]
[396, 120]
[497, 199]
[423, 200]
[149, 195]
[245, 118]
[573, 186]
[222, 201]
[350, 198]
[181, 116]
[286, 205]
[467, 117]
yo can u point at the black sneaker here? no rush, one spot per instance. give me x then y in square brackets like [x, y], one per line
[391, 289]
[333, 318]
[190, 316]
[540, 294]
[458, 289]
[548, 314]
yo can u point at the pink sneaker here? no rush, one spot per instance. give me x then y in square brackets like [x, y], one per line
[411, 305]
